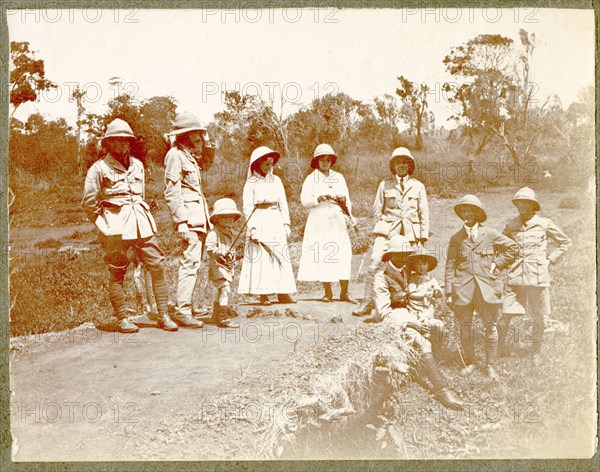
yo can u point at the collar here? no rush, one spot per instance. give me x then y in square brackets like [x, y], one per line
[529, 222]
[222, 231]
[255, 176]
[320, 177]
[399, 274]
[116, 165]
[475, 227]
[402, 180]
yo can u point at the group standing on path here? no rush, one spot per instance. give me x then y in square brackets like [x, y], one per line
[398, 290]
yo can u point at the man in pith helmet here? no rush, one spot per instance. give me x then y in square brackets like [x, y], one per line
[114, 199]
[528, 286]
[400, 207]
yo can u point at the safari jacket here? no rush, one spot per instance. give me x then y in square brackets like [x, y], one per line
[401, 212]
[390, 287]
[531, 266]
[183, 191]
[469, 264]
[113, 197]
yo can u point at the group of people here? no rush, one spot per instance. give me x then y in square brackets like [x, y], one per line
[398, 289]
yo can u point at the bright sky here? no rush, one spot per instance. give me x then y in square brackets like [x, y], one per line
[194, 55]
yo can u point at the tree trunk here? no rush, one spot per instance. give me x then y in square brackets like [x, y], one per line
[419, 139]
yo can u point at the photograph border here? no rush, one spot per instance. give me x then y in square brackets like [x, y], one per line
[360, 465]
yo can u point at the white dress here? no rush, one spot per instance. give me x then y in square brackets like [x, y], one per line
[262, 273]
[326, 249]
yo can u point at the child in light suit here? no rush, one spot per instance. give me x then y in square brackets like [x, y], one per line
[219, 246]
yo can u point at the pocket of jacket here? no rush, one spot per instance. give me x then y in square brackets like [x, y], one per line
[543, 271]
[390, 199]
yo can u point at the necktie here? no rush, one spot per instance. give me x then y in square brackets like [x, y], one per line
[473, 234]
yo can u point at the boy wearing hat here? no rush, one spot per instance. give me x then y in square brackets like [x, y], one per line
[528, 286]
[400, 207]
[475, 255]
[183, 192]
[114, 199]
[219, 246]
[401, 299]
[423, 290]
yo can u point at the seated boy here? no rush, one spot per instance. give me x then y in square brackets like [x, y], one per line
[392, 301]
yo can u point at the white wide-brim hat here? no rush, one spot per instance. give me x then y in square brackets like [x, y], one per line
[186, 122]
[224, 207]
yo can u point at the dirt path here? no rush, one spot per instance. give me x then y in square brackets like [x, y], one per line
[93, 392]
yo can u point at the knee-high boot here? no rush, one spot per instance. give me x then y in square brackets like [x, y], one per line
[367, 305]
[445, 396]
[491, 351]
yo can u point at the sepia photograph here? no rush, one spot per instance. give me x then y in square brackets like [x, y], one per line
[246, 232]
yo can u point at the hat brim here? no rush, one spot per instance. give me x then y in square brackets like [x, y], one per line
[387, 255]
[537, 204]
[482, 215]
[314, 163]
[431, 260]
[185, 130]
[234, 213]
[117, 135]
[400, 156]
[275, 155]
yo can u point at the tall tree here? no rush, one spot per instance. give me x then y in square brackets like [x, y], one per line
[494, 91]
[27, 75]
[414, 111]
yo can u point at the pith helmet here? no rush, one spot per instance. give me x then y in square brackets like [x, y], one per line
[264, 151]
[473, 201]
[224, 207]
[398, 244]
[323, 150]
[186, 122]
[402, 152]
[527, 194]
[118, 128]
[422, 253]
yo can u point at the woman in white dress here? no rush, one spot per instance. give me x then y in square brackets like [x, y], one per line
[326, 249]
[266, 268]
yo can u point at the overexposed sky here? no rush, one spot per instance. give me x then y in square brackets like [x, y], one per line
[194, 55]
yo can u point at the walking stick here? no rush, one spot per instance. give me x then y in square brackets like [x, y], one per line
[242, 230]
[228, 253]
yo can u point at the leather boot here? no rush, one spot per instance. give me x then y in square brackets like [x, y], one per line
[449, 400]
[285, 298]
[186, 321]
[165, 322]
[219, 317]
[367, 305]
[491, 352]
[126, 326]
[467, 348]
[503, 326]
[445, 396]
